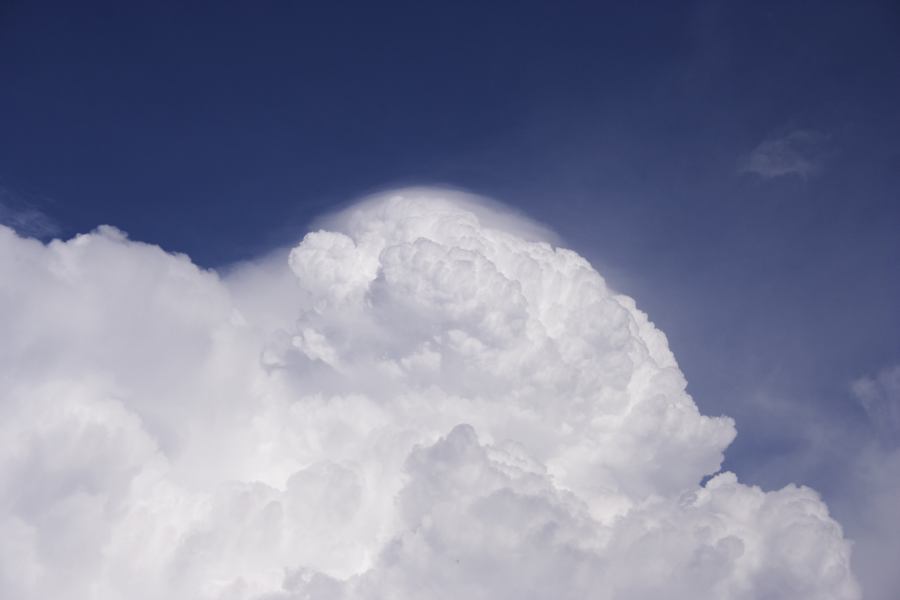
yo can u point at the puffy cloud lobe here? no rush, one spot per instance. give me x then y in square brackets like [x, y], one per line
[482, 523]
[419, 402]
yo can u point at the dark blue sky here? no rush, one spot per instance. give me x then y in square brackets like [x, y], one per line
[735, 166]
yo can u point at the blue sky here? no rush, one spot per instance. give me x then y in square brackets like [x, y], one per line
[733, 166]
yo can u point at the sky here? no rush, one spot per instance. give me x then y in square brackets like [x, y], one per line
[733, 167]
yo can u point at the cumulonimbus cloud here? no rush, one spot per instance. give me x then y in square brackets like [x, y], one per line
[421, 401]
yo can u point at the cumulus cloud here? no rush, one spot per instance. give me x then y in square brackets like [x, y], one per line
[798, 152]
[423, 400]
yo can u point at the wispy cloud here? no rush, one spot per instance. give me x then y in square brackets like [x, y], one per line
[879, 396]
[24, 216]
[872, 499]
[799, 152]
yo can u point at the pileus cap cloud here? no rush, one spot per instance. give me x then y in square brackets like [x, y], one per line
[422, 401]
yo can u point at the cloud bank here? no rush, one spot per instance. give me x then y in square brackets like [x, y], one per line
[420, 402]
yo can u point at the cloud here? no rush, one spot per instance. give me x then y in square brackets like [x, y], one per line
[874, 500]
[799, 153]
[873, 495]
[879, 396]
[420, 401]
[24, 217]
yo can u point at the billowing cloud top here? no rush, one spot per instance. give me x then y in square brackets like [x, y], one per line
[423, 401]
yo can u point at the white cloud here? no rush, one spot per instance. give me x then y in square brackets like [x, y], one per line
[418, 403]
[798, 152]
